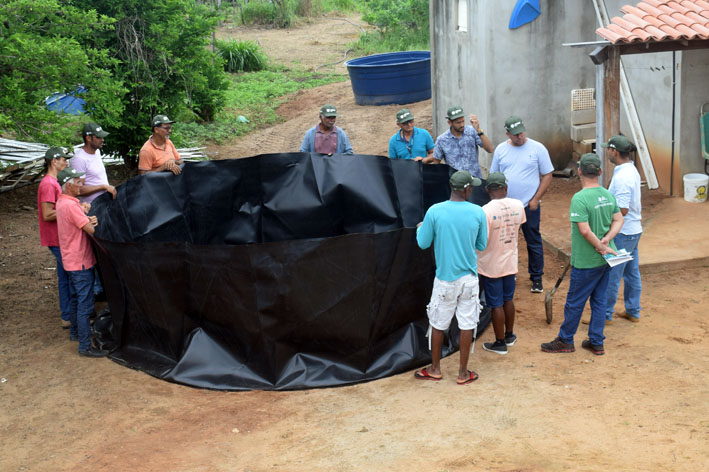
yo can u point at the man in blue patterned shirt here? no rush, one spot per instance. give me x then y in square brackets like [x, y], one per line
[459, 145]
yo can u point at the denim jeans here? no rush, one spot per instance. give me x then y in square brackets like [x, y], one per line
[82, 305]
[535, 248]
[630, 272]
[586, 283]
[63, 282]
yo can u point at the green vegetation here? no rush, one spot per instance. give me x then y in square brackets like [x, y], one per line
[138, 58]
[402, 25]
[45, 48]
[240, 56]
[255, 96]
[283, 13]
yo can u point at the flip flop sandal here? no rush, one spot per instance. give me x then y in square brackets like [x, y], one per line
[424, 375]
[472, 378]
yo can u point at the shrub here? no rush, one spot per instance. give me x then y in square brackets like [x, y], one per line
[240, 56]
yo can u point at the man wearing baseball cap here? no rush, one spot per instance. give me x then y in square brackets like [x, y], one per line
[625, 187]
[595, 221]
[410, 142]
[78, 258]
[325, 137]
[47, 195]
[456, 228]
[527, 166]
[459, 145]
[87, 159]
[497, 264]
[158, 153]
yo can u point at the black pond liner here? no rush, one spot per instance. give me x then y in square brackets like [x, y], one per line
[274, 272]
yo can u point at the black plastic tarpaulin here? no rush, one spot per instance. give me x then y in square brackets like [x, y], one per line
[279, 271]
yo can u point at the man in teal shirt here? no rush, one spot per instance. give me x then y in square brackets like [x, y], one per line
[456, 228]
[595, 220]
[410, 142]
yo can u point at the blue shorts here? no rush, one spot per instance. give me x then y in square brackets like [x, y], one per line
[499, 290]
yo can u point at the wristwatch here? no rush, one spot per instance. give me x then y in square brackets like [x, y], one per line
[481, 133]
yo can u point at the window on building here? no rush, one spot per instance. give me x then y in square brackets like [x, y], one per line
[462, 16]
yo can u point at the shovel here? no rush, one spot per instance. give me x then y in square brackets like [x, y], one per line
[547, 299]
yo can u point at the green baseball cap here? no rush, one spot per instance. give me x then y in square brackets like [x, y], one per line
[328, 110]
[55, 153]
[67, 174]
[404, 115]
[462, 179]
[619, 143]
[590, 163]
[514, 125]
[454, 113]
[160, 120]
[92, 129]
[496, 179]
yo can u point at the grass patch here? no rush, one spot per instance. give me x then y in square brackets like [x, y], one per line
[375, 42]
[240, 56]
[254, 96]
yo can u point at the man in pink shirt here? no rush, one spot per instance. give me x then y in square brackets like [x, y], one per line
[497, 264]
[78, 257]
[158, 153]
[47, 195]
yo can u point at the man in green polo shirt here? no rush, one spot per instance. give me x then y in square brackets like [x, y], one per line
[595, 220]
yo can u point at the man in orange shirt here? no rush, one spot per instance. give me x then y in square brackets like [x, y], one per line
[158, 153]
[497, 264]
[78, 258]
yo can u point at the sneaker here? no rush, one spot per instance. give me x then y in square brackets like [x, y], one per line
[631, 318]
[510, 339]
[557, 345]
[66, 324]
[537, 286]
[93, 352]
[597, 349]
[498, 347]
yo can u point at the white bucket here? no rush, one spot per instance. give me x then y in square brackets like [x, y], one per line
[695, 187]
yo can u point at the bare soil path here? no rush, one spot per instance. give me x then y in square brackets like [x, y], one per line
[642, 406]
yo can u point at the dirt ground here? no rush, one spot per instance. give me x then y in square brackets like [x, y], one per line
[642, 406]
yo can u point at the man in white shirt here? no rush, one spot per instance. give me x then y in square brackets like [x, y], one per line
[625, 187]
[527, 166]
[87, 159]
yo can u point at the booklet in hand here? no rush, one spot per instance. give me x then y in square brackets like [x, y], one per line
[622, 257]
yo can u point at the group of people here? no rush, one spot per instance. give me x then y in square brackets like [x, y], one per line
[477, 247]
[524, 161]
[64, 199]
[474, 246]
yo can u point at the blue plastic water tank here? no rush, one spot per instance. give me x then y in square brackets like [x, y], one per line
[391, 78]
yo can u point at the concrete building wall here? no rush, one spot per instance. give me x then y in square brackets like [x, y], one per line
[695, 92]
[495, 72]
[650, 80]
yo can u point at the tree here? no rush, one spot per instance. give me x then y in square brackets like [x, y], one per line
[163, 61]
[45, 48]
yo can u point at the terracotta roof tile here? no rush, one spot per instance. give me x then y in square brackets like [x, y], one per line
[657, 20]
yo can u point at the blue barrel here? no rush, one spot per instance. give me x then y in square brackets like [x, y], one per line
[391, 78]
